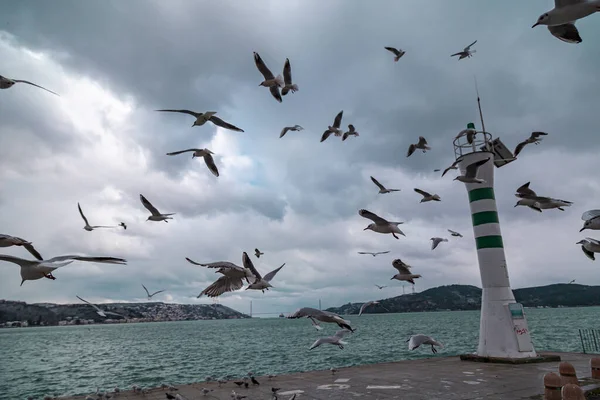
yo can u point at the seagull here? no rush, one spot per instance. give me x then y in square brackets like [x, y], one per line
[590, 246]
[427, 196]
[33, 270]
[323, 316]
[335, 339]
[572, 281]
[290, 128]
[467, 52]
[404, 273]
[6, 83]
[335, 129]
[99, 311]
[123, 224]
[287, 79]
[260, 283]
[534, 138]
[435, 241]
[258, 253]
[453, 166]
[454, 233]
[202, 118]
[374, 254]
[272, 82]
[591, 218]
[530, 199]
[254, 381]
[8, 241]
[87, 226]
[151, 295]
[381, 225]
[380, 287]
[561, 19]
[469, 133]
[367, 304]
[231, 280]
[417, 340]
[422, 144]
[383, 189]
[397, 52]
[236, 396]
[470, 175]
[156, 215]
[205, 153]
[351, 132]
[524, 191]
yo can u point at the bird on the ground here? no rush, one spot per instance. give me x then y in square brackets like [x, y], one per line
[333, 370]
[591, 220]
[236, 396]
[87, 226]
[471, 170]
[206, 391]
[8, 241]
[123, 225]
[318, 315]
[336, 339]
[202, 118]
[534, 138]
[374, 254]
[335, 128]
[232, 279]
[427, 196]
[287, 79]
[156, 215]
[381, 225]
[467, 52]
[398, 53]
[151, 295]
[383, 189]
[258, 253]
[272, 82]
[294, 128]
[435, 241]
[404, 273]
[368, 304]
[204, 153]
[419, 339]
[421, 144]
[351, 132]
[590, 246]
[7, 83]
[99, 311]
[38, 269]
[454, 233]
[561, 19]
[260, 283]
[254, 381]
[380, 287]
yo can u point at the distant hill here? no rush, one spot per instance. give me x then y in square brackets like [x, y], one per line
[52, 314]
[467, 297]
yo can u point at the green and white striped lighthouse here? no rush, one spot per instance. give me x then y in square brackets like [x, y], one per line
[503, 331]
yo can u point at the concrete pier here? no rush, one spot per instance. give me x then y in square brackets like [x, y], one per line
[446, 378]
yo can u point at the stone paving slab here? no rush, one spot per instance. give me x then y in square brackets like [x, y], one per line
[435, 378]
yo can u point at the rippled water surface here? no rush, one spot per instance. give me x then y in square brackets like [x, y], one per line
[77, 359]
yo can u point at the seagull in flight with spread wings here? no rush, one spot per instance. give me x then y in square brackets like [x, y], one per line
[336, 339]
[156, 215]
[87, 226]
[204, 153]
[535, 138]
[404, 273]
[381, 225]
[260, 283]
[383, 189]
[99, 311]
[8, 241]
[374, 254]
[151, 295]
[287, 79]
[202, 118]
[398, 53]
[467, 52]
[335, 128]
[232, 279]
[6, 83]
[272, 82]
[421, 144]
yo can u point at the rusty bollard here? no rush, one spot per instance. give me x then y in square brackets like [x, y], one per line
[595, 365]
[572, 392]
[567, 373]
[552, 386]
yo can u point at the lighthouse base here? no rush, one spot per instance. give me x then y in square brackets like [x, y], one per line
[499, 360]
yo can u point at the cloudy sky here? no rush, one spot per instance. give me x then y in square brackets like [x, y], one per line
[101, 144]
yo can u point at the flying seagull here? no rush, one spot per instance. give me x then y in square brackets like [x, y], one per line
[99, 311]
[272, 82]
[290, 128]
[287, 79]
[380, 287]
[258, 253]
[435, 241]
[351, 132]
[335, 129]
[151, 295]
[469, 133]
[534, 138]
[87, 226]
[202, 118]
[381, 225]
[421, 144]
[467, 52]
[591, 218]
[335, 339]
[6, 83]
[568, 33]
[232, 279]
[530, 199]
[374, 254]
[156, 215]
[417, 340]
[561, 19]
[38, 269]
[453, 166]
[470, 175]
[590, 246]
[383, 189]
[204, 153]
[398, 53]
[8, 241]
[260, 283]
[404, 273]
[123, 224]
[454, 233]
[427, 196]
[322, 316]
[368, 304]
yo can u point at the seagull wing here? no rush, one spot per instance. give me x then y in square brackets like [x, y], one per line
[275, 93]
[362, 308]
[403, 268]
[524, 191]
[520, 147]
[590, 214]
[422, 141]
[33, 84]
[411, 149]
[457, 54]
[305, 312]
[157, 292]
[372, 216]
[451, 167]
[210, 163]
[593, 241]
[218, 264]
[33, 251]
[113, 313]
[147, 292]
[222, 285]
[566, 3]
[149, 205]
[338, 119]
[589, 254]
[393, 50]
[284, 131]
[272, 274]
[379, 185]
[193, 113]
[566, 32]
[248, 264]
[422, 192]
[16, 260]
[364, 252]
[341, 333]
[469, 46]
[537, 134]
[260, 64]
[326, 134]
[82, 216]
[102, 260]
[219, 122]
[471, 170]
[351, 128]
[287, 72]
[382, 252]
[85, 301]
[174, 153]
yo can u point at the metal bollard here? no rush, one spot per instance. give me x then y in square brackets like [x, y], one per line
[595, 365]
[567, 373]
[552, 386]
[572, 392]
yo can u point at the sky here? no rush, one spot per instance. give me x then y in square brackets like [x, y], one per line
[102, 144]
